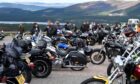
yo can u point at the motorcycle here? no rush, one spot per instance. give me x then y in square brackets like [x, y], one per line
[75, 58]
[38, 56]
[13, 68]
[111, 47]
[127, 69]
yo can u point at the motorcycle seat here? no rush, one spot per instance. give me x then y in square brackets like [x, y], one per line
[71, 49]
[63, 52]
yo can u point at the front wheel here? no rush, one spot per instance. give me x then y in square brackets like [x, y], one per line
[42, 68]
[110, 69]
[93, 81]
[97, 57]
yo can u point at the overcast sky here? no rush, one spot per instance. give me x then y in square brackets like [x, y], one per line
[53, 1]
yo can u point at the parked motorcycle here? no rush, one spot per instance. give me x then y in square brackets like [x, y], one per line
[111, 47]
[12, 66]
[75, 58]
[127, 69]
[38, 56]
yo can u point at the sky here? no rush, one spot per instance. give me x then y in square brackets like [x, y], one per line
[53, 1]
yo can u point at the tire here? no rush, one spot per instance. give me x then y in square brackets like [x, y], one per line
[27, 73]
[109, 69]
[77, 69]
[42, 69]
[95, 60]
[93, 81]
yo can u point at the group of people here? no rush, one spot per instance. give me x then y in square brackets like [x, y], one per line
[53, 29]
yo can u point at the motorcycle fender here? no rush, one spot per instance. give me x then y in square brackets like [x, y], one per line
[89, 52]
[103, 50]
[102, 78]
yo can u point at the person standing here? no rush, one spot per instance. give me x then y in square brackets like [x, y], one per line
[138, 28]
[50, 29]
[21, 29]
[35, 29]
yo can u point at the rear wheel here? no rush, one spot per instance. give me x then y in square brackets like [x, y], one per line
[98, 57]
[42, 68]
[93, 81]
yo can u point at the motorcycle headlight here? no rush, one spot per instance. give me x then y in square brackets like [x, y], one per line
[118, 61]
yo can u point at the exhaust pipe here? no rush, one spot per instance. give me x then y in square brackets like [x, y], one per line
[69, 66]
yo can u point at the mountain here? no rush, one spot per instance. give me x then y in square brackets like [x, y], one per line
[102, 7]
[91, 8]
[104, 11]
[49, 5]
[132, 11]
[84, 9]
[34, 6]
[22, 6]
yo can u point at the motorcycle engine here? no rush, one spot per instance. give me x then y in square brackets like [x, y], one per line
[114, 52]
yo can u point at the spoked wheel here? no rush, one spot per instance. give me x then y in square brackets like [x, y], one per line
[42, 68]
[93, 81]
[97, 57]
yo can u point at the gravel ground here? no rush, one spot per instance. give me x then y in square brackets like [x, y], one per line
[67, 76]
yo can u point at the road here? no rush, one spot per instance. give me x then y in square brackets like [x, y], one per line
[67, 76]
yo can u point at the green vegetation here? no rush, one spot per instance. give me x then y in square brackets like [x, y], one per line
[15, 27]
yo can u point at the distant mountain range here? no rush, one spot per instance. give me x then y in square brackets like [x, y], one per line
[105, 11]
[34, 6]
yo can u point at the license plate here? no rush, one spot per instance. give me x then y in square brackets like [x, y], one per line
[20, 79]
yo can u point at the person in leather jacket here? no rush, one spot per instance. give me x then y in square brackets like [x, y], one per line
[35, 29]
